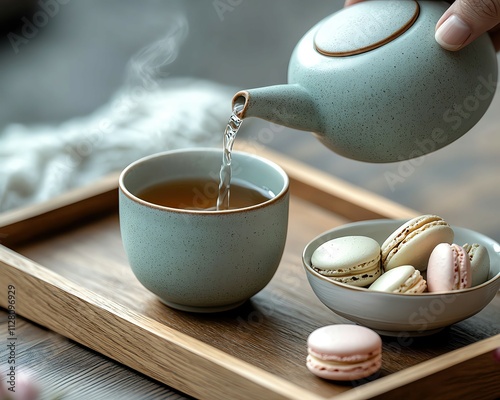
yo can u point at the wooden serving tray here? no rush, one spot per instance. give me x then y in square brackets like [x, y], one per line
[65, 258]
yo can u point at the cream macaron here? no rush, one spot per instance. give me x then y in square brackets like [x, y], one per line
[449, 268]
[354, 260]
[402, 279]
[413, 242]
[344, 352]
[479, 262]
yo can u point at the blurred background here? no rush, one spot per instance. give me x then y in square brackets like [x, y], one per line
[63, 59]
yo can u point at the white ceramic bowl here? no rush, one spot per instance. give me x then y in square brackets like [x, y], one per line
[391, 313]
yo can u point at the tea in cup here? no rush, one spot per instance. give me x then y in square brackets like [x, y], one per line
[181, 248]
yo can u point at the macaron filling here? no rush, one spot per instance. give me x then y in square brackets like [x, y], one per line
[402, 279]
[415, 284]
[462, 267]
[356, 371]
[349, 358]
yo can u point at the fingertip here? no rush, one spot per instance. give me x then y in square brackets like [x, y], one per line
[351, 2]
[452, 33]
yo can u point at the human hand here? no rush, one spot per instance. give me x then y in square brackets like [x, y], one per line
[464, 21]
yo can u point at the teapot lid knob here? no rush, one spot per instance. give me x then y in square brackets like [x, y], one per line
[364, 26]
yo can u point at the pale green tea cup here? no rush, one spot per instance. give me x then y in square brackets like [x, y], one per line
[203, 261]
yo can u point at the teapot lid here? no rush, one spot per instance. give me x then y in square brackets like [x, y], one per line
[364, 26]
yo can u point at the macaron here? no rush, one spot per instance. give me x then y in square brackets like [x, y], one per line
[354, 260]
[344, 352]
[402, 279]
[449, 268]
[413, 242]
[479, 262]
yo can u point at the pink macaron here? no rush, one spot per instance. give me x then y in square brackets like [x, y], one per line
[448, 269]
[344, 352]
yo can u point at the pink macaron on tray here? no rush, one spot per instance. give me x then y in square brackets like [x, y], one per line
[399, 276]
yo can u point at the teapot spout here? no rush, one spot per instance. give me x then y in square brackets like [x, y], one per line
[289, 105]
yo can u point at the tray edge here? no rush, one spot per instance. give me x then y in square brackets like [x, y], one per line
[49, 288]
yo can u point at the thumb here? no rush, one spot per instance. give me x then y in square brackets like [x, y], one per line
[465, 20]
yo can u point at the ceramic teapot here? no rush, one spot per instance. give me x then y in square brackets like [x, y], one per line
[372, 84]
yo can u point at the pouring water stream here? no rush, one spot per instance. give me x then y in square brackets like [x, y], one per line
[230, 133]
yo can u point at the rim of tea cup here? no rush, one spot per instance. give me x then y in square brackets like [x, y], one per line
[283, 192]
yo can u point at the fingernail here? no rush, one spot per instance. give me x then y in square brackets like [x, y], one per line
[452, 33]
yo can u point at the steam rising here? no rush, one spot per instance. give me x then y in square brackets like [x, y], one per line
[150, 64]
[151, 112]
